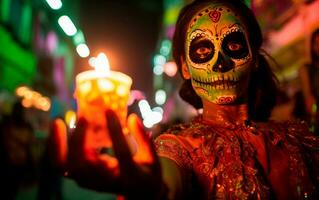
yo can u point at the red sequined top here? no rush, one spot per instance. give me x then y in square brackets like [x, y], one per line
[273, 160]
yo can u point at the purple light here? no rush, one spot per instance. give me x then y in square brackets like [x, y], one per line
[51, 41]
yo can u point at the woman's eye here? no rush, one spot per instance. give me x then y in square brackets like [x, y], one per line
[201, 50]
[234, 46]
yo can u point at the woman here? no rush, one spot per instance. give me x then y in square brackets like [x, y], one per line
[230, 151]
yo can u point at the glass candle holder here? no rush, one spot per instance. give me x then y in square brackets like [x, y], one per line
[96, 92]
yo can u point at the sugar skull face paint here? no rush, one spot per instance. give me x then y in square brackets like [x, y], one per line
[218, 55]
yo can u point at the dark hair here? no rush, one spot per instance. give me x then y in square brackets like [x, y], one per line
[263, 84]
[314, 56]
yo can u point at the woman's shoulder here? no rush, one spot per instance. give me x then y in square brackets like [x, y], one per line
[291, 132]
[178, 134]
[173, 144]
[189, 134]
[293, 127]
[289, 125]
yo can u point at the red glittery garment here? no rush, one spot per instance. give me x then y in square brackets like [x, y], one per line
[273, 160]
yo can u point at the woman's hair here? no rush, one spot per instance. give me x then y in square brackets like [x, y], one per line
[314, 56]
[263, 84]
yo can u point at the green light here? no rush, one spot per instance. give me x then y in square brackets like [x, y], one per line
[159, 60]
[67, 25]
[248, 3]
[54, 4]
[171, 15]
[26, 20]
[18, 66]
[158, 70]
[166, 47]
[160, 97]
[5, 10]
[78, 38]
[83, 50]
[314, 108]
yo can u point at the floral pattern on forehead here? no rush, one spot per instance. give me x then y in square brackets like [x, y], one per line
[217, 14]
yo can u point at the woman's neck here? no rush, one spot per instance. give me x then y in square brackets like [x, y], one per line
[224, 115]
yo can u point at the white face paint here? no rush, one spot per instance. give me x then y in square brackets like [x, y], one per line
[218, 55]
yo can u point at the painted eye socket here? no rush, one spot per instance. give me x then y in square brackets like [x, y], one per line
[201, 50]
[235, 46]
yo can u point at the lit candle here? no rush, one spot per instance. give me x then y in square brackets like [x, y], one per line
[101, 89]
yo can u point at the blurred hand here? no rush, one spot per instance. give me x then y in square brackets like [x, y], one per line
[135, 176]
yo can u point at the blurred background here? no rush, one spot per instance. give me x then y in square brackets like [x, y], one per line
[44, 44]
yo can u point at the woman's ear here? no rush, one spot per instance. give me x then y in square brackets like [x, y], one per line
[185, 70]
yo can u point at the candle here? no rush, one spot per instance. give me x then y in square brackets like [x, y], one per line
[100, 89]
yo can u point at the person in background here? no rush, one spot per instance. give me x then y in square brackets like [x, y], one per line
[18, 167]
[309, 79]
[231, 150]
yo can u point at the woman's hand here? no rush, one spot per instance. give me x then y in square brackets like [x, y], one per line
[134, 176]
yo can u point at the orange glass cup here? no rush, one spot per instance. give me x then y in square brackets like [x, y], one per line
[96, 92]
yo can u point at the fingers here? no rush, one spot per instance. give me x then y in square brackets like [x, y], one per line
[86, 165]
[78, 151]
[79, 156]
[57, 140]
[120, 146]
[78, 136]
[145, 151]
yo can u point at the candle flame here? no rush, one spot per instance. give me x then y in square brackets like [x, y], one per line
[101, 63]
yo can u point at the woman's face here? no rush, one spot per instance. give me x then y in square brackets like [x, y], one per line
[218, 55]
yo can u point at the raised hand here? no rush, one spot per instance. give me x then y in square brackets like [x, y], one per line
[134, 176]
